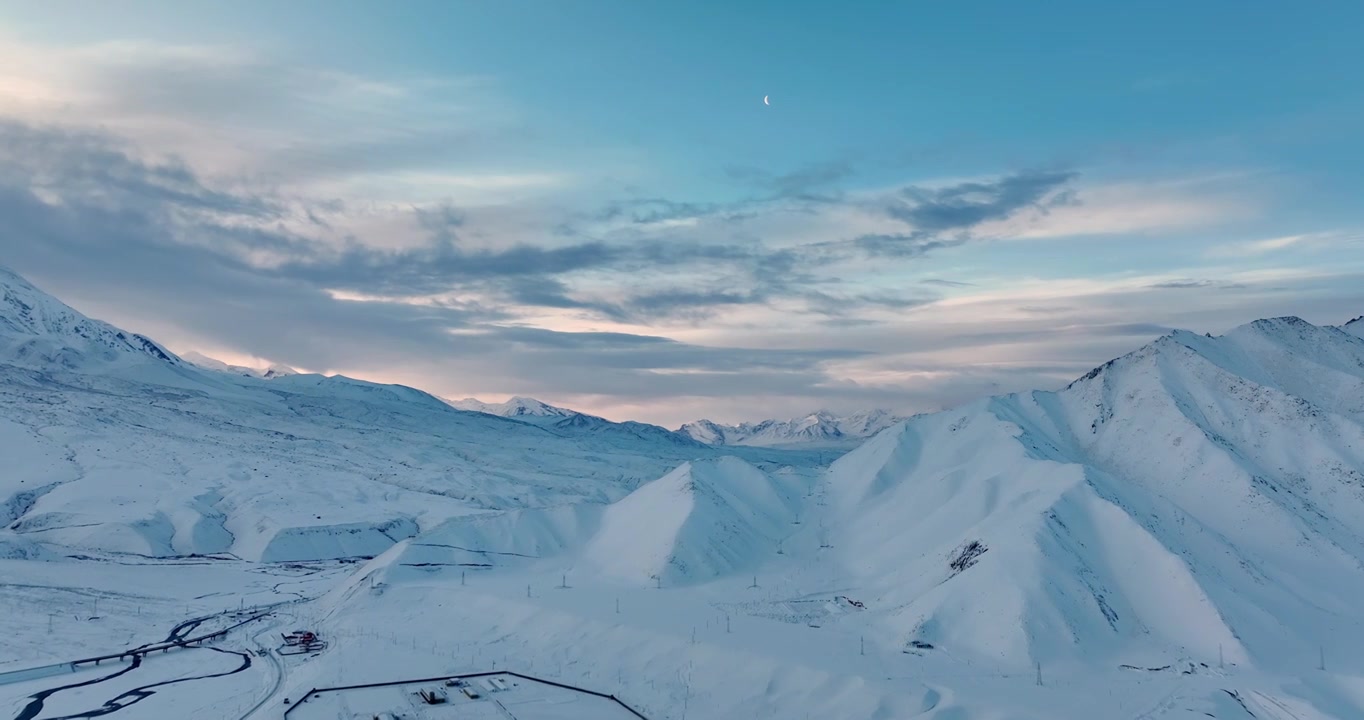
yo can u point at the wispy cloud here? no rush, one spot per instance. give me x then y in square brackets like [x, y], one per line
[1266, 246]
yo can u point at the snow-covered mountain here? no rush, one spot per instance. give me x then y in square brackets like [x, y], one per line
[1200, 495]
[1355, 327]
[530, 410]
[39, 331]
[1178, 534]
[516, 407]
[822, 427]
[200, 360]
[111, 442]
[706, 519]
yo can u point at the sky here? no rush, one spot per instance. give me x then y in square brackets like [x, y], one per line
[590, 203]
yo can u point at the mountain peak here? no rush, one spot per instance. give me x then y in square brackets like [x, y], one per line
[1355, 327]
[38, 329]
[516, 406]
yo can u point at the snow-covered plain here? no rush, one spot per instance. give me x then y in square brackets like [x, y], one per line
[1176, 535]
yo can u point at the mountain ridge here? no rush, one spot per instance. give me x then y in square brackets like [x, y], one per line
[1226, 471]
[820, 426]
[117, 446]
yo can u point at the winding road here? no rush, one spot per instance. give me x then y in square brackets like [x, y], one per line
[177, 637]
[275, 663]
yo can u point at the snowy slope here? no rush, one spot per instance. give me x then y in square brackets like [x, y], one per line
[203, 361]
[703, 520]
[112, 443]
[1200, 495]
[1355, 327]
[822, 427]
[38, 331]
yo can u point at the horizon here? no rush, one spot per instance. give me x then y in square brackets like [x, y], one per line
[198, 361]
[604, 213]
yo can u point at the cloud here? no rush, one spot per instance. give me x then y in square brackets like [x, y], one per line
[234, 113]
[815, 182]
[966, 205]
[409, 229]
[105, 230]
[1190, 283]
[85, 171]
[947, 217]
[906, 245]
[1303, 241]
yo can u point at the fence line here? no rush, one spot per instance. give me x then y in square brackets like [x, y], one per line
[393, 683]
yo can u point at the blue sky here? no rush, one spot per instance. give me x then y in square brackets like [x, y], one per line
[590, 203]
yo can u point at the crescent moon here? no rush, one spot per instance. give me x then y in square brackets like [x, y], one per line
[765, 102]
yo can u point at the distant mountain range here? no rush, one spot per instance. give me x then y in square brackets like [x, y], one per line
[530, 410]
[113, 442]
[822, 427]
[516, 407]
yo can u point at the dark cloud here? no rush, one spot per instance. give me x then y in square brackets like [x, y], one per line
[941, 218]
[686, 303]
[1181, 284]
[813, 183]
[442, 266]
[548, 292]
[907, 245]
[99, 171]
[807, 186]
[1188, 284]
[842, 306]
[653, 210]
[967, 205]
[946, 283]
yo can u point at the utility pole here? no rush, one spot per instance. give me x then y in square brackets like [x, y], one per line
[755, 583]
[1039, 673]
[862, 645]
[461, 577]
[617, 606]
[726, 623]
[1322, 664]
[527, 591]
[563, 581]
